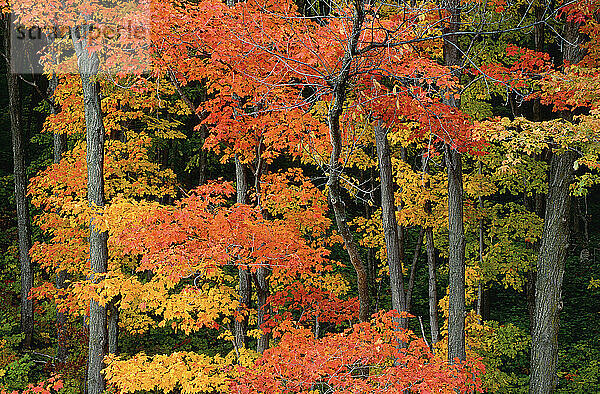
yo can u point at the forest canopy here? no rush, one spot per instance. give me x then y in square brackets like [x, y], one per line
[300, 196]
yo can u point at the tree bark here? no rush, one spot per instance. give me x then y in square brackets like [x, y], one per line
[550, 269]
[22, 208]
[552, 254]
[456, 258]
[59, 147]
[245, 289]
[340, 85]
[262, 272]
[433, 300]
[390, 224]
[113, 328]
[88, 64]
[262, 291]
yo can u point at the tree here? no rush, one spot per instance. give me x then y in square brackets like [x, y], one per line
[390, 225]
[20, 180]
[553, 252]
[88, 64]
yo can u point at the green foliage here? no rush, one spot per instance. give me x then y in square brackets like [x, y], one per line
[579, 367]
[505, 351]
[510, 234]
[17, 374]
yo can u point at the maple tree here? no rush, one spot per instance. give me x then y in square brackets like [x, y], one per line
[320, 111]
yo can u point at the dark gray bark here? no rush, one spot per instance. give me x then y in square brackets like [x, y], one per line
[262, 273]
[456, 258]
[340, 85]
[245, 289]
[88, 64]
[262, 292]
[22, 208]
[481, 250]
[432, 289]
[552, 253]
[390, 224]
[550, 269]
[456, 255]
[113, 328]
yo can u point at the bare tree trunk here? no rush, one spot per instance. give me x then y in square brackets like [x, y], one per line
[550, 269]
[22, 208]
[552, 254]
[456, 258]
[59, 148]
[340, 86]
[245, 289]
[262, 273]
[390, 224]
[433, 300]
[413, 269]
[262, 291]
[88, 69]
[480, 289]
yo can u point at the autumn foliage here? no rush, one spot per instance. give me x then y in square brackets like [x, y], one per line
[255, 84]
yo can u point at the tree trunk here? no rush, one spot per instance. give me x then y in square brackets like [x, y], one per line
[433, 300]
[262, 291]
[262, 273]
[552, 254]
[480, 288]
[113, 328]
[550, 269]
[59, 148]
[390, 224]
[20, 179]
[413, 270]
[456, 258]
[245, 289]
[88, 69]
[335, 167]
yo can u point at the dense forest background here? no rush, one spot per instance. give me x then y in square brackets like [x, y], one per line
[196, 144]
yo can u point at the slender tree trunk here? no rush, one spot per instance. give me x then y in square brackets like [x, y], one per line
[456, 259]
[433, 300]
[20, 179]
[245, 288]
[335, 167]
[262, 291]
[552, 254]
[413, 269]
[262, 273]
[390, 224]
[88, 69]
[480, 289]
[59, 148]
